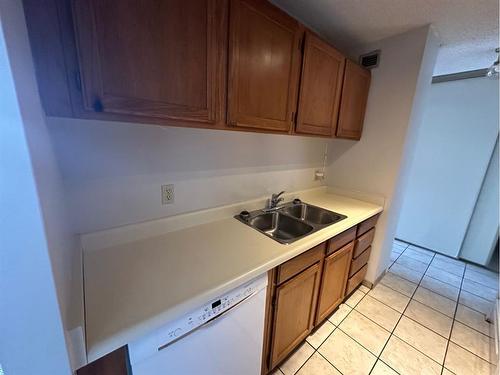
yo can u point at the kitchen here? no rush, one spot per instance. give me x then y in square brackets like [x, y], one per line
[251, 100]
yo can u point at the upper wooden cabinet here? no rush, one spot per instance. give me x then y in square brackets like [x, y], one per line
[220, 64]
[320, 88]
[353, 103]
[264, 63]
[159, 59]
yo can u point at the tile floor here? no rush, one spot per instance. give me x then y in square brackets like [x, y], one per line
[426, 316]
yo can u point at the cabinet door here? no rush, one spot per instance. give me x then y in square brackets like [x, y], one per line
[333, 282]
[295, 307]
[152, 58]
[320, 88]
[353, 102]
[264, 59]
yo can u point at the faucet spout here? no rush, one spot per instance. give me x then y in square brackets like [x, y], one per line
[275, 200]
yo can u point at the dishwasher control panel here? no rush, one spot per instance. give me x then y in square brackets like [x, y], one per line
[166, 335]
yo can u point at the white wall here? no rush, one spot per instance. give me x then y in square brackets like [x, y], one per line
[482, 233]
[374, 164]
[31, 329]
[114, 171]
[453, 150]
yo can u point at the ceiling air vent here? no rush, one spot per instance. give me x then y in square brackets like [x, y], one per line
[370, 60]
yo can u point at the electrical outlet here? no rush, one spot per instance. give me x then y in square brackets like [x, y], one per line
[167, 194]
[319, 175]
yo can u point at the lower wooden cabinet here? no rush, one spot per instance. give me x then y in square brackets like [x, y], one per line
[305, 290]
[333, 281]
[295, 307]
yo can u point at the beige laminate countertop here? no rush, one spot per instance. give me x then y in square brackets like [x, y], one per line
[134, 288]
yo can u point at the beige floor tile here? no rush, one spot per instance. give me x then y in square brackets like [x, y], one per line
[421, 338]
[421, 249]
[475, 302]
[447, 372]
[347, 355]
[397, 249]
[473, 319]
[399, 284]
[412, 263]
[480, 269]
[354, 299]
[378, 312]
[381, 368]
[462, 362]
[449, 259]
[429, 318]
[419, 255]
[472, 340]
[443, 276]
[400, 243]
[491, 281]
[406, 360]
[277, 372]
[440, 287]
[339, 314]
[479, 290]
[367, 333]
[363, 288]
[406, 273]
[454, 268]
[317, 365]
[436, 301]
[390, 297]
[301, 355]
[320, 335]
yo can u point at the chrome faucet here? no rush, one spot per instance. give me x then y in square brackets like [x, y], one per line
[272, 203]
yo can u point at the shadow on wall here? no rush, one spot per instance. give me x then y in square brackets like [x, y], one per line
[339, 148]
[98, 149]
[113, 171]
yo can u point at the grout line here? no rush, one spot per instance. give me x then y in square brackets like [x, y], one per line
[439, 294]
[411, 298]
[296, 350]
[335, 327]
[474, 354]
[430, 329]
[326, 359]
[453, 323]
[465, 324]
[402, 314]
[444, 282]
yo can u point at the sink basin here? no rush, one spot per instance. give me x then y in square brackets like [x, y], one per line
[291, 221]
[312, 214]
[280, 227]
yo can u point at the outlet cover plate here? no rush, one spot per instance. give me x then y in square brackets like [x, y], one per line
[167, 194]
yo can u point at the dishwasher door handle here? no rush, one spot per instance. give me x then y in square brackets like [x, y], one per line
[210, 322]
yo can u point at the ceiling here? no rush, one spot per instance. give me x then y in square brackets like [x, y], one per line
[468, 29]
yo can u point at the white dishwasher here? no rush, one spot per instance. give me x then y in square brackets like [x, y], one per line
[223, 337]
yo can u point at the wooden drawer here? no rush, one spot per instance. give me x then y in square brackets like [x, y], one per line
[360, 261]
[356, 279]
[363, 242]
[366, 225]
[341, 240]
[300, 263]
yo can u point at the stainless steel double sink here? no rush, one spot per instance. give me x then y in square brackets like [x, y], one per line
[291, 221]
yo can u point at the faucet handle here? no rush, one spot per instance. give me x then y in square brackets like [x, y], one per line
[276, 196]
[275, 199]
